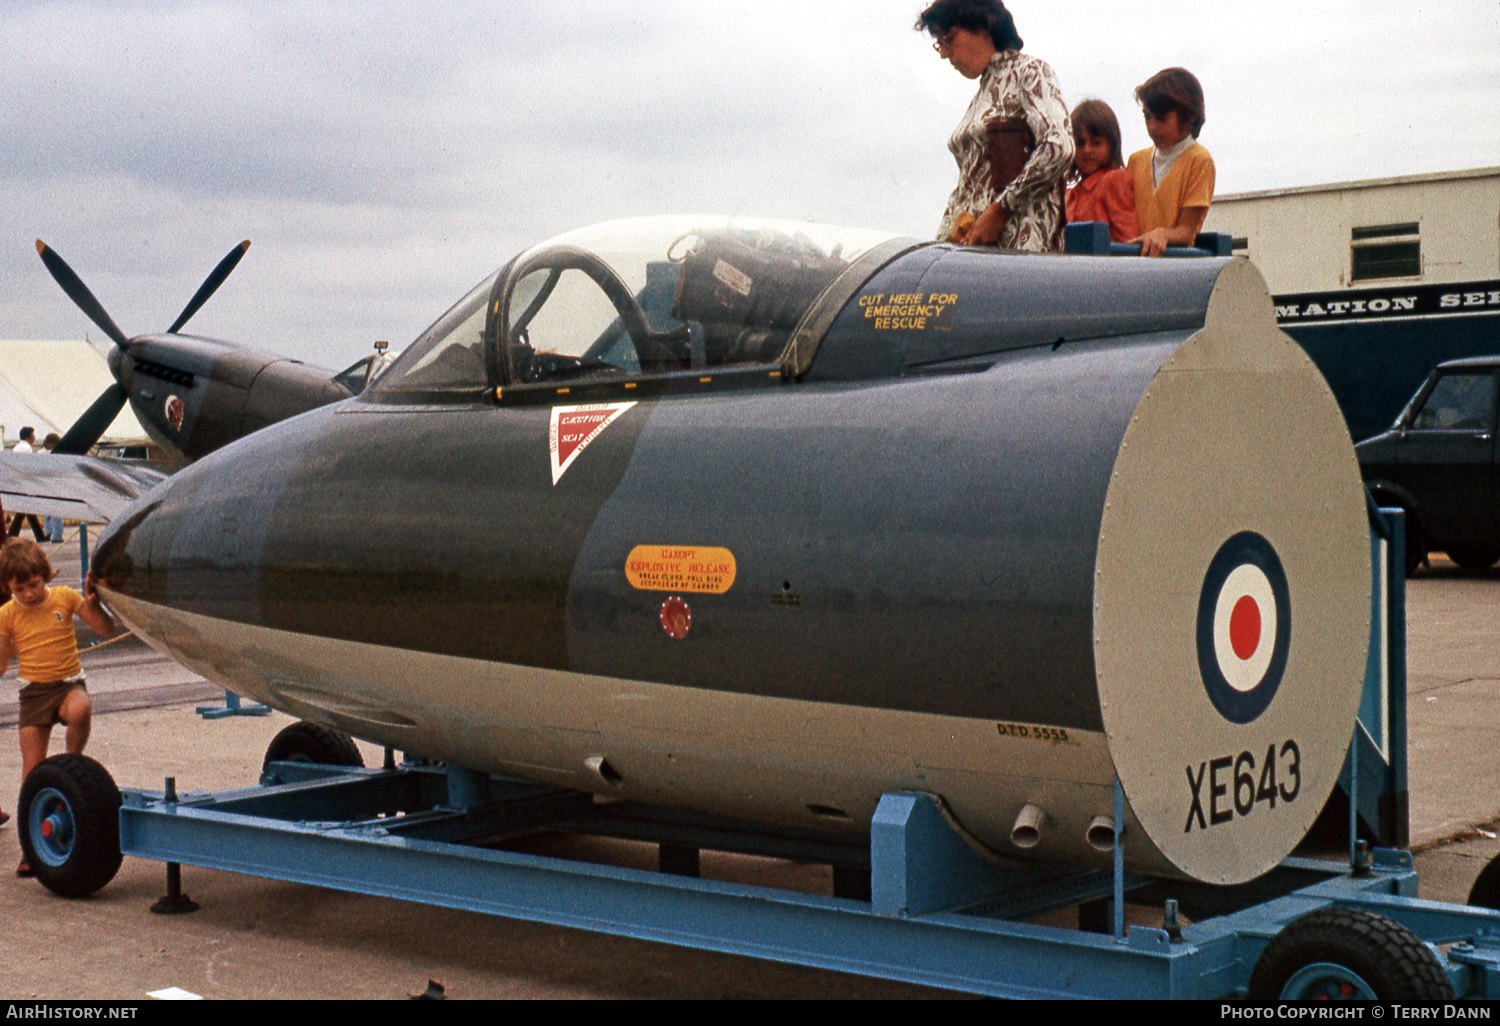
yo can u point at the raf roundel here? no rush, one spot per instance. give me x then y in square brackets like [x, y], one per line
[1244, 627]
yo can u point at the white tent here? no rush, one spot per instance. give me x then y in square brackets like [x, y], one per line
[48, 385]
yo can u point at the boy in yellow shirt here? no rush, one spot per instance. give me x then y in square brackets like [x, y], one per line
[36, 626]
[1174, 181]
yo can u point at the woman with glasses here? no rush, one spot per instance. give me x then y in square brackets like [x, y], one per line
[1014, 145]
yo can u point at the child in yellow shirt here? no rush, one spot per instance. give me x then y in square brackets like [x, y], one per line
[1174, 181]
[36, 626]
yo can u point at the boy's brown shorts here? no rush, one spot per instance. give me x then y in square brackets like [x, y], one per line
[41, 702]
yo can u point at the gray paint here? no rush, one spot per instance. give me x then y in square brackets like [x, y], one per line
[939, 534]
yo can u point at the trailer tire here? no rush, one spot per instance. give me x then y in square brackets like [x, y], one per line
[70, 825]
[309, 742]
[1348, 954]
[1486, 890]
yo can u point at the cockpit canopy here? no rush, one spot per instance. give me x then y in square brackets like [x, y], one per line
[631, 299]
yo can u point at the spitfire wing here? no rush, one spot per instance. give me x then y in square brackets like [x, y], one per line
[84, 488]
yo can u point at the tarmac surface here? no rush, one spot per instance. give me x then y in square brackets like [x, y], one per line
[256, 938]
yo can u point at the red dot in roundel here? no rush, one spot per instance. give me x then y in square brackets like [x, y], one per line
[676, 618]
[1244, 627]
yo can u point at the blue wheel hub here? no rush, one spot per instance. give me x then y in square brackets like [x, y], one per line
[1325, 981]
[52, 827]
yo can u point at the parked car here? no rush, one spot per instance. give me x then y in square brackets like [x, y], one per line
[1437, 462]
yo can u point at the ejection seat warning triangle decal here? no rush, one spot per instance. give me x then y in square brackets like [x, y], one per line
[574, 427]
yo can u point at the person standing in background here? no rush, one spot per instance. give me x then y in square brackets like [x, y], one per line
[52, 525]
[27, 444]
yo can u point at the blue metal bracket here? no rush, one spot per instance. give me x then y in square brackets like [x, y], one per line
[920, 862]
[467, 789]
[1374, 775]
[948, 872]
[232, 707]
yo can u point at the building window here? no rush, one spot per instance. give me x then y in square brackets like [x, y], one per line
[1386, 251]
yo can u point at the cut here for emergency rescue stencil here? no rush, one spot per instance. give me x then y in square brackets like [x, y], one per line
[912, 312]
[574, 427]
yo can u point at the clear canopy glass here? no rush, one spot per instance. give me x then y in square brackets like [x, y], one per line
[635, 297]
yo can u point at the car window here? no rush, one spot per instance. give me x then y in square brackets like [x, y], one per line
[1458, 402]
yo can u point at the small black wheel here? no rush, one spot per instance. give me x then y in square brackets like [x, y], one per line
[1473, 558]
[1486, 890]
[309, 742]
[70, 825]
[1348, 954]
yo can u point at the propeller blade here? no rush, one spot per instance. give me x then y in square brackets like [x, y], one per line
[210, 285]
[79, 293]
[83, 435]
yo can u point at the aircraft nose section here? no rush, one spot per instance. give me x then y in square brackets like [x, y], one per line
[200, 541]
[121, 560]
[173, 552]
[182, 545]
[122, 366]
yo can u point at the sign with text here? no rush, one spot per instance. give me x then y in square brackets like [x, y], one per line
[681, 568]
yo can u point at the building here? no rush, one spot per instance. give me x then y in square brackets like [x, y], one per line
[1437, 229]
[1378, 280]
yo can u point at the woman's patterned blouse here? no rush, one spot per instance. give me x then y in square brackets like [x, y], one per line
[1015, 86]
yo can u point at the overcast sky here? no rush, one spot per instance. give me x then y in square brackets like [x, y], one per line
[383, 157]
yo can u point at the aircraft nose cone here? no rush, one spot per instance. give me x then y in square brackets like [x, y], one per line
[200, 540]
[121, 366]
[121, 557]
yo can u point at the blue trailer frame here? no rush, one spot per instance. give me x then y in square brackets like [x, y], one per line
[936, 913]
[911, 903]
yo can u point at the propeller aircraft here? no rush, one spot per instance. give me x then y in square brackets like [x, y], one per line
[191, 394]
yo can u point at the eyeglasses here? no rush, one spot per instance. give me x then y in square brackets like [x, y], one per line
[944, 43]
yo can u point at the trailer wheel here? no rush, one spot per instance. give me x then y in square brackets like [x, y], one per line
[70, 825]
[308, 742]
[1348, 954]
[1486, 890]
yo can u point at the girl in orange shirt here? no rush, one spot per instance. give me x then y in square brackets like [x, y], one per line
[1100, 189]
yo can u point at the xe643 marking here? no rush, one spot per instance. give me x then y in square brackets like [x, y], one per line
[1234, 788]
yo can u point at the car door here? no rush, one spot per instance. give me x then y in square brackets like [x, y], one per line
[1447, 458]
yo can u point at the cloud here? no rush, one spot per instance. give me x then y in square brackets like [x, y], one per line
[384, 156]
